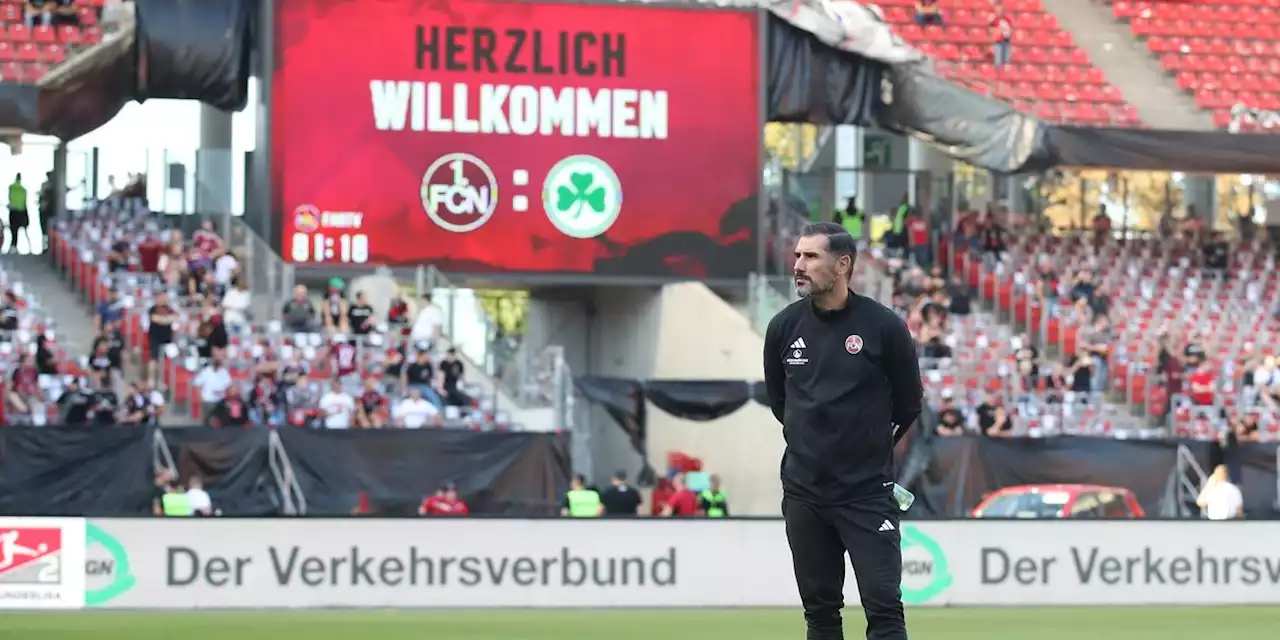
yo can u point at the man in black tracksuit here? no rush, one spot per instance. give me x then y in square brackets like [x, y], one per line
[843, 380]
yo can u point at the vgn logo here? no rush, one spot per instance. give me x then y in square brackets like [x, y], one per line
[106, 567]
[925, 574]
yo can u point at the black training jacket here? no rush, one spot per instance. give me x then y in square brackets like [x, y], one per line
[839, 382]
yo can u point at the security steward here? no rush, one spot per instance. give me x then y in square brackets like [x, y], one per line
[843, 380]
[712, 501]
[581, 502]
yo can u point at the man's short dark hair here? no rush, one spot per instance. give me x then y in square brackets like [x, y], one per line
[620, 475]
[839, 242]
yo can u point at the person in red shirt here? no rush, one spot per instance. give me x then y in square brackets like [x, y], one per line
[683, 503]
[1201, 384]
[918, 240]
[444, 503]
[24, 389]
[1002, 28]
[149, 255]
[206, 240]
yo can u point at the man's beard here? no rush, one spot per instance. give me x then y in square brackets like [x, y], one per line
[810, 288]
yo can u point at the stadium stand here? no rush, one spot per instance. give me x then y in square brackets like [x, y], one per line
[36, 36]
[1047, 76]
[124, 256]
[1224, 52]
[1170, 301]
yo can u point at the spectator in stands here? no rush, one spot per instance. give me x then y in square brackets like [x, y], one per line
[230, 411]
[950, 417]
[1083, 287]
[212, 381]
[360, 316]
[371, 406]
[1097, 342]
[398, 312]
[225, 269]
[620, 500]
[337, 407]
[1100, 302]
[18, 216]
[1216, 253]
[928, 13]
[421, 375]
[299, 315]
[106, 405]
[211, 333]
[111, 309]
[26, 402]
[121, 254]
[994, 242]
[1169, 369]
[428, 324]
[10, 314]
[1262, 383]
[74, 404]
[266, 399]
[100, 362]
[1246, 427]
[47, 209]
[1201, 385]
[683, 502]
[235, 306]
[140, 407]
[1194, 352]
[993, 418]
[1080, 374]
[1219, 499]
[959, 296]
[161, 318]
[581, 501]
[414, 412]
[333, 309]
[206, 240]
[451, 369]
[1002, 36]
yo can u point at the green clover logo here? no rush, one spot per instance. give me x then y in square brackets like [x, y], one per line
[582, 196]
[580, 191]
[941, 578]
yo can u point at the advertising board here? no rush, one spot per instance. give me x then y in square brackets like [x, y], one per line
[557, 563]
[41, 562]
[485, 136]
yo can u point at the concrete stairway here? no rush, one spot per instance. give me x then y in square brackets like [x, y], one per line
[41, 281]
[1129, 66]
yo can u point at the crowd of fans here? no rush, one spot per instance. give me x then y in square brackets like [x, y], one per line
[178, 342]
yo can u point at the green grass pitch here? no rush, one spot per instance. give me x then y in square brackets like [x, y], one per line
[1091, 623]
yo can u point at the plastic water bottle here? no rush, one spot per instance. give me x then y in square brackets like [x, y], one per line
[903, 497]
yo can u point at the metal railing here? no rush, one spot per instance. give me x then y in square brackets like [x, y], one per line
[293, 502]
[1190, 477]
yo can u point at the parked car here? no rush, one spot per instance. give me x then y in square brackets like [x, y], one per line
[1060, 501]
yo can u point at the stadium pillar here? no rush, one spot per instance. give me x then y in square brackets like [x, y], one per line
[1201, 192]
[60, 177]
[214, 162]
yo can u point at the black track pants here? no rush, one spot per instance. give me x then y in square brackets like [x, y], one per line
[819, 537]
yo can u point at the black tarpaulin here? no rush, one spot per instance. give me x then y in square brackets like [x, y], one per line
[963, 470]
[1147, 150]
[517, 474]
[196, 50]
[1257, 463]
[623, 399]
[808, 81]
[698, 400]
[173, 49]
[963, 124]
[66, 471]
[234, 465]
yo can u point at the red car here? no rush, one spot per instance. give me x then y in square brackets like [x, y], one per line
[1058, 501]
